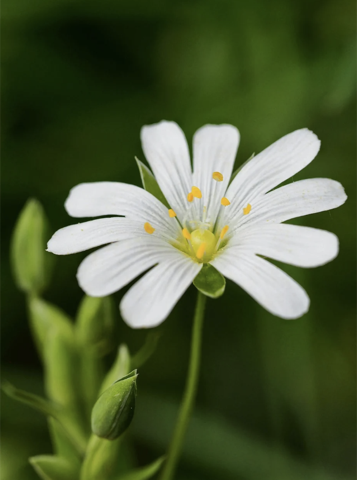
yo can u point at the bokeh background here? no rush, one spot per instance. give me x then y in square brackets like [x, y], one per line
[276, 398]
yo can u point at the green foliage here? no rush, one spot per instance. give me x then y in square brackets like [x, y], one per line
[51, 467]
[34, 401]
[96, 325]
[119, 369]
[144, 473]
[48, 320]
[32, 266]
[101, 459]
[210, 282]
[150, 183]
[114, 409]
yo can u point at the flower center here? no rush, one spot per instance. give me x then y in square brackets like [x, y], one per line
[203, 243]
[200, 243]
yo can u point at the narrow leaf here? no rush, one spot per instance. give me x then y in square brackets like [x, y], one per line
[31, 264]
[149, 347]
[101, 461]
[150, 183]
[120, 368]
[51, 467]
[210, 282]
[62, 443]
[144, 473]
[30, 399]
[45, 319]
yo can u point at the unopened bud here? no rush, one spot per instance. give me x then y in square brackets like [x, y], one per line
[114, 409]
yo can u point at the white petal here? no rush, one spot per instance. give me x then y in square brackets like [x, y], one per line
[300, 246]
[166, 150]
[114, 198]
[294, 200]
[272, 288]
[83, 236]
[214, 150]
[151, 299]
[107, 270]
[272, 166]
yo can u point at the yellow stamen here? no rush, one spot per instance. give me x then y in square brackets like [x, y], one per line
[224, 231]
[201, 251]
[225, 202]
[247, 209]
[217, 176]
[148, 228]
[190, 197]
[196, 192]
[186, 233]
[172, 214]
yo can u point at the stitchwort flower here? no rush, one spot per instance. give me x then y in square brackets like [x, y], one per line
[229, 223]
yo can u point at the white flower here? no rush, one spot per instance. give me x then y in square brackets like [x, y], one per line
[209, 221]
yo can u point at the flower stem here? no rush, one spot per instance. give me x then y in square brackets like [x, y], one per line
[190, 392]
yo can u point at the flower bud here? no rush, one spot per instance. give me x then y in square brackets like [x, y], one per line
[114, 409]
[32, 266]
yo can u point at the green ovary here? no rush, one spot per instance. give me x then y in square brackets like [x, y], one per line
[199, 237]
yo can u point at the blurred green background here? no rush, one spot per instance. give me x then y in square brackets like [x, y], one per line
[276, 398]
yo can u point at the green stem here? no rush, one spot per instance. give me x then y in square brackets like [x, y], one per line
[190, 392]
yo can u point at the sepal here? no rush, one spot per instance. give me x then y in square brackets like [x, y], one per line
[150, 183]
[210, 282]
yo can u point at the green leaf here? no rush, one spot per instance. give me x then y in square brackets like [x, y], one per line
[149, 347]
[150, 183]
[31, 264]
[62, 443]
[101, 461]
[144, 473]
[30, 399]
[96, 325]
[46, 319]
[120, 368]
[210, 282]
[51, 467]
[235, 173]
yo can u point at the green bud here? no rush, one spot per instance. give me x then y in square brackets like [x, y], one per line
[114, 409]
[96, 325]
[32, 266]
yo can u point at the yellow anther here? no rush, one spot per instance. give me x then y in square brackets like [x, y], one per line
[186, 233]
[224, 231]
[172, 214]
[190, 197]
[225, 202]
[196, 192]
[201, 251]
[148, 228]
[247, 209]
[217, 176]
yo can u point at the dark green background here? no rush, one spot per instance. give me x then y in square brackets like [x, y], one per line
[79, 81]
